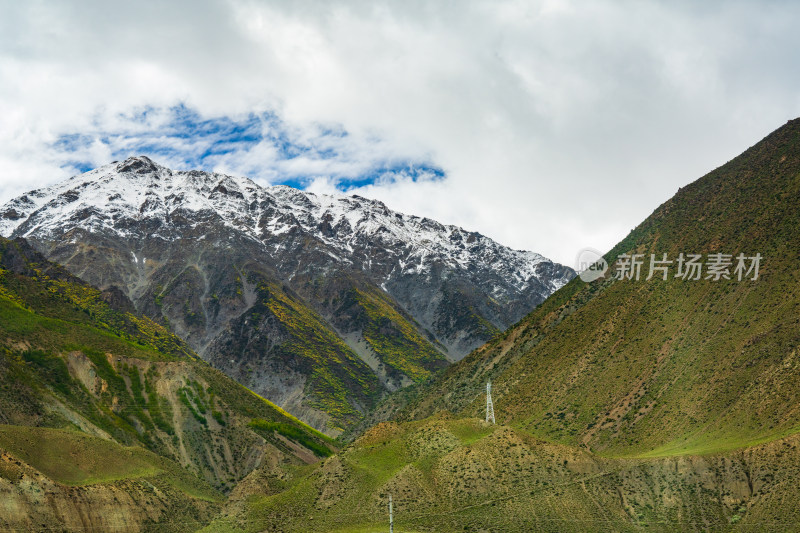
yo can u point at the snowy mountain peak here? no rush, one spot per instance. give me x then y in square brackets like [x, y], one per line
[299, 296]
[139, 165]
[117, 199]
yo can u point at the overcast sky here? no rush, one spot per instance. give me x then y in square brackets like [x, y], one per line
[548, 126]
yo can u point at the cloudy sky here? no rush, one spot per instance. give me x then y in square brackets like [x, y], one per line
[547, 125]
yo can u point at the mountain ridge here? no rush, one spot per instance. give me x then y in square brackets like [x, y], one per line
[390, 297]
[621, 404]
[657, 346]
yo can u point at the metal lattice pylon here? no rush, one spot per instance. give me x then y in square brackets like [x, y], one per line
[391, 516]
[489, 403]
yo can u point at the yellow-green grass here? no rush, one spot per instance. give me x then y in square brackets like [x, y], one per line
[705, 444]
[293, 433]
[469, 430]
[370, 463]
[405, 350]
[464, 475]
[294, 419]
[50, 291]
[373, 529]
[19, 323]
[339, 380]
[73, 458]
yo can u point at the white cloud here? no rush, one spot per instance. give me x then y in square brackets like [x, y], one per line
[559, 124]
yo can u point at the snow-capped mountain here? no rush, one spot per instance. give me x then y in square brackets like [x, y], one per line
[203, 250]
[117, 198]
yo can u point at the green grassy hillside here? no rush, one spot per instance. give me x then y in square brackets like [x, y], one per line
[623, 405]
[395, 338]
[450, 475]
[96, 400]
[74, 458]
[655, 367]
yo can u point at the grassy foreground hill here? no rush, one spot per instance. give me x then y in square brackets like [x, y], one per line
[109, 421]
[460, 474]
[622, 405]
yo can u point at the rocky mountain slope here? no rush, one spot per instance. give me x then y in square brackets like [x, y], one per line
[320, 303]
[622, 404]
[665, 366]
[109, 421]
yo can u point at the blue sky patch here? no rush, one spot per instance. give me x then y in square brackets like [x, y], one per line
[260, 146]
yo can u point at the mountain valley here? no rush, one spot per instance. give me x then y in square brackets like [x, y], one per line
[622, 404]
[661, 404]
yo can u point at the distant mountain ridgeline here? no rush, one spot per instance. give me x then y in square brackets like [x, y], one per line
[322, 304]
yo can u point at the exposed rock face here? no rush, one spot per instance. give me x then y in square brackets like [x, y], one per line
[320, 303]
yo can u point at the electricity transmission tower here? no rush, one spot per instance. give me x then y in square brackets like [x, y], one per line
[391, 518]
[489, 403]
